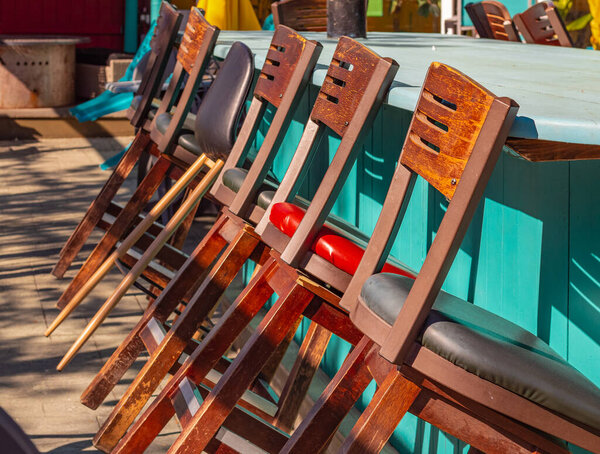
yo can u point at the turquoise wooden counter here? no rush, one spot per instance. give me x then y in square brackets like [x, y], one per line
[532, 254]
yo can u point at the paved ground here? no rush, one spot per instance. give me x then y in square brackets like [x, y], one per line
[45, 188]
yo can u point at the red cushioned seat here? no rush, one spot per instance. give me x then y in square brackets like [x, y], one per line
[339, 251]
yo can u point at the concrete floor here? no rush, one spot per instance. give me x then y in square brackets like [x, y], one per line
[45, 187]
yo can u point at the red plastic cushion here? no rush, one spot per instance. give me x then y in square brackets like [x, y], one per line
[339, 251]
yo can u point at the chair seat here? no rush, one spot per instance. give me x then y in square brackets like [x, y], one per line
[490, 347]
[332, 245]
[163, 121]
[234, 178]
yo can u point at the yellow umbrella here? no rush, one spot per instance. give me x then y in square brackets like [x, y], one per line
[230, 14]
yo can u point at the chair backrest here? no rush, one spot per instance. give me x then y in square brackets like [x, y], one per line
[454, 140]
[301, 15]
[354, 88]
[288, 66]
[161, 45]
[492, 20]
[194, 53]
[541, 24]
[218, 114]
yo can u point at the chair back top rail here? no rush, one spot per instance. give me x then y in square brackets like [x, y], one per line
[288, 67]
[194, 53]
[454, 140]
[541, 24]
[301, 15]
[492, 20]
[356, 83]
[161, 45]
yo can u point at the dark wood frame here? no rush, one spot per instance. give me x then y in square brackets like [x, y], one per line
[162, 43]
[193, 56]
[347, 103]
[284, 77]
[492, 20]
[539, 30]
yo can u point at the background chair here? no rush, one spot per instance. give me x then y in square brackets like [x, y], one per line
[492, 20]
[301, 15]
[541, 24]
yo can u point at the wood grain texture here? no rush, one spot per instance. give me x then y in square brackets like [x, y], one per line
[541, 24]
[280, 63]
[301, 15]
[195, 30]
[348, 76]
[490, 20]
[449, 116]
[536, 150]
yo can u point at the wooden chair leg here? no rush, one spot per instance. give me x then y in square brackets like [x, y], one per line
[383, 414]
[178, 239]
[242, 372]
[306, 365]
[135, 205]
[186, 278]
[100, 204]
[175, 341]
[340, 395]
[197, 366]
[272, 365]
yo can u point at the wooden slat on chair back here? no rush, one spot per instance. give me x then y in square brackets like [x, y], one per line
[195, 30]
[280, 63]
[541, 24]
[301, 15]
[447, 120]
[348, 76]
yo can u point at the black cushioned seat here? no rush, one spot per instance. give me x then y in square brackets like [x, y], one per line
[492, 348]
[234, 178]
[163, 121]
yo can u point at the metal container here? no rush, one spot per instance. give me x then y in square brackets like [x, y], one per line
[37, 71]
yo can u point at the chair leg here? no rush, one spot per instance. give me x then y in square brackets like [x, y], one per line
[309, 358]
[181, 234]
[385, 411]
[197, 366]
[186, 278]
[340, 395]
[175, 341]
[242, 372]
[135, 205]
[100, 204]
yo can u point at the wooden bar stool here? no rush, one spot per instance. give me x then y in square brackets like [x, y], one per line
[197, 44]
[541, 24]
[162, 43]
[492, 20]
[282, 82]
[354, 88]
[301, 15]
[459, 367]
[215, 125]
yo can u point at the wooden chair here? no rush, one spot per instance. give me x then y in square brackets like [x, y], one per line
[301, 15]
[459, 367]
[356, 83]
[284, 77]
[215, 126]
[492, 20]
[167, 128]
[541, 24]
[162, 42]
